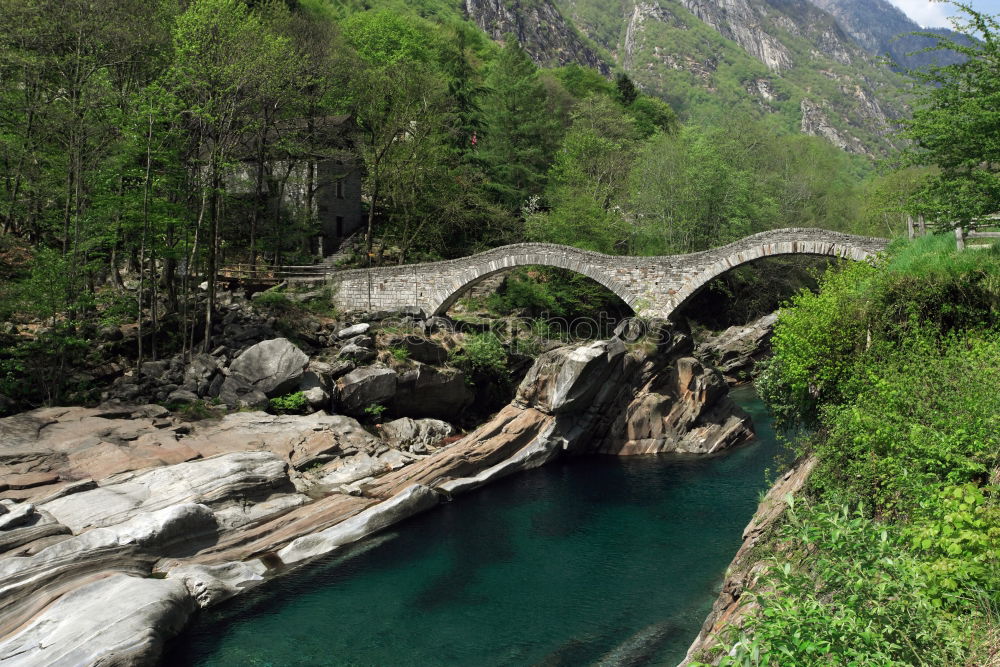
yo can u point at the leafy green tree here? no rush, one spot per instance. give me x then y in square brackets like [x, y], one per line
[589, 181]
[956, 122]
[225, 59]
[519, 134]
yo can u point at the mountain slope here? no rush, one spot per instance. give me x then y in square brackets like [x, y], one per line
[882, 29]
[539, 27]
[785, 58]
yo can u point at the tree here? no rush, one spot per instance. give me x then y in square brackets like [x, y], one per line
[224, 64]
[956, 125]
[627, 92]
[588, 183]
[520, 134]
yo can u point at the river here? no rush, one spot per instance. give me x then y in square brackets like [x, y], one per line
[597, 560]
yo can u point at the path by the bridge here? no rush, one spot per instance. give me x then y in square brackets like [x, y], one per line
[651, 286]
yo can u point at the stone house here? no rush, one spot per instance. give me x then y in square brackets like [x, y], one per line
[313, 177]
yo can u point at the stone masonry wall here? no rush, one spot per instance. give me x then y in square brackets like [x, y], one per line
[651, 286]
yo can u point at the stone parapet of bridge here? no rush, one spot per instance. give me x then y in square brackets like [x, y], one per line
[651, 286]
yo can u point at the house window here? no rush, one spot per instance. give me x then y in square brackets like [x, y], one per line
[340, 225]
[340, 188]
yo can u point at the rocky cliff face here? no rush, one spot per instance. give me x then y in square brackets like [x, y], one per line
[883, 30]
[785, 57]
[539, 27]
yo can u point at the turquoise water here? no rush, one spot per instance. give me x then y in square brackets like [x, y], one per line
[590, 561]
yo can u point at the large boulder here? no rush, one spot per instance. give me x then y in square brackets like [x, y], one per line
[737, 350]
[569, 378]
[356, 354]
[426, 391]
[238, 392]
[272, 367]
[200, 372]
[366, 386]
[352, 331]
[418, 348]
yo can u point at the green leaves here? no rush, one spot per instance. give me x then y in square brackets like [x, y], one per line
[955, 125]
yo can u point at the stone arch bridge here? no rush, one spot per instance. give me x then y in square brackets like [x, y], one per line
[651, 286]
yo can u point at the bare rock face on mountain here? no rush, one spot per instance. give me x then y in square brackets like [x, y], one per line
[540, 29]
[883, 29]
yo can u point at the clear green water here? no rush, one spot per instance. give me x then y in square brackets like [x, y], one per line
[590, 561]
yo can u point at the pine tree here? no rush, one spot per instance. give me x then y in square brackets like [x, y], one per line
[520, 134]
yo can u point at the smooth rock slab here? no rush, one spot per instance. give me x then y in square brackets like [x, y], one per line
[120, 620]
[211, 481]
[415, 499]
[211, 584]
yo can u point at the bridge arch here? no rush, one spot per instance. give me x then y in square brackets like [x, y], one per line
[561, 257]
[721, 260]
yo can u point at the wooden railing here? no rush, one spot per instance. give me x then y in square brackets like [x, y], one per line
[961, 235]
[263, 273]
[918, 227]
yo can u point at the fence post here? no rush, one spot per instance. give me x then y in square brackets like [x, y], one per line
[959, 238]
[922, 224]
[909, 227]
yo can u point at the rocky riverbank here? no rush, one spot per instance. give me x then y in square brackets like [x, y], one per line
[118, 522]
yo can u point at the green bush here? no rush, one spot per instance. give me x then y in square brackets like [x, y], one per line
[848, 591]
[375, 411]
[293, 403]
[919, 419]
[273, 300]
[399, 353]
[864, 313]
[482, 354]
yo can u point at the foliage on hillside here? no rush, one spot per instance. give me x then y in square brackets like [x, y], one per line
[894, 555]
[703, 75]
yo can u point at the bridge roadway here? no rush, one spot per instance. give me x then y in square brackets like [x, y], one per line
[651, 286]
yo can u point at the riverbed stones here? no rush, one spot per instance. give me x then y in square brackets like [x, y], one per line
[415, 435]
[352, 331]
[270, 488]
